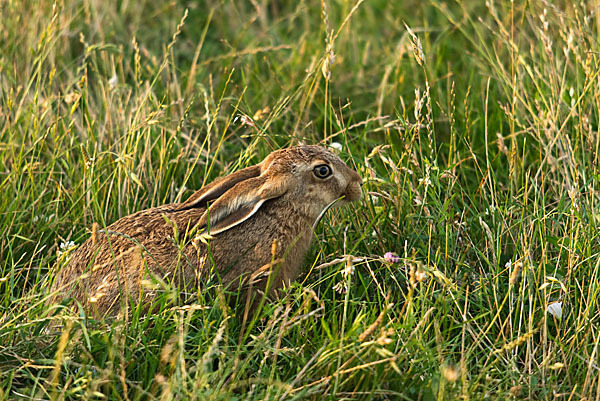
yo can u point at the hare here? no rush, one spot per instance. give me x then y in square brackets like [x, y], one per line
[253, 222]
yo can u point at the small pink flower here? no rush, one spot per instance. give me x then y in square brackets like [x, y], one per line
[391, 257]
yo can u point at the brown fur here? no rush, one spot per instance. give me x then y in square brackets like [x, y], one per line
[277, 200]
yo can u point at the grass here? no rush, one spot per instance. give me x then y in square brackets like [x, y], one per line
[474, 125]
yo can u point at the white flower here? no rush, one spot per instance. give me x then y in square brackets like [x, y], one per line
[113, 81]
[555, 309]
[65, 247]
[42, 218]
[425, 181]
[336, 145]
[348, 270]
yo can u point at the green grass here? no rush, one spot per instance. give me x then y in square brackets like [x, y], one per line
[480, 149]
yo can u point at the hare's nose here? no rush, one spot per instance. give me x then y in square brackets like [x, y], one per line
[358, 178]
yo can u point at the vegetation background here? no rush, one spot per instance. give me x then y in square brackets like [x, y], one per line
[475, 125]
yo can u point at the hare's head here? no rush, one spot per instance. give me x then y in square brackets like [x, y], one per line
[312, 176]
[307, 178]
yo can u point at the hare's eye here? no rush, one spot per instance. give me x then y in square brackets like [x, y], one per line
[322, 171]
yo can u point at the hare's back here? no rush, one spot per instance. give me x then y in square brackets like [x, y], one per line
[120, 252]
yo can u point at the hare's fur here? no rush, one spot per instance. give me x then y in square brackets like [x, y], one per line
[260, 220]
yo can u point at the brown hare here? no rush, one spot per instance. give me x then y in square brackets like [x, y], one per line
[253, 222]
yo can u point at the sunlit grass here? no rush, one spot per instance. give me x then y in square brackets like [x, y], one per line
[475, 127]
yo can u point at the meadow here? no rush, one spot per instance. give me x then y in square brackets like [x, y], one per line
[469, 270]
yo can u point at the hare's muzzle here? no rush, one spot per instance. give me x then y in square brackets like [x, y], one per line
[353, 190]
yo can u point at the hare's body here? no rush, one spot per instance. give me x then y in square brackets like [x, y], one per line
[259, 221]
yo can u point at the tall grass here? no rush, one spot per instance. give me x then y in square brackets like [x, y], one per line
[475, 126]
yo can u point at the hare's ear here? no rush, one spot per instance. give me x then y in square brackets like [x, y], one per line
[241, 202]
[217, 188]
